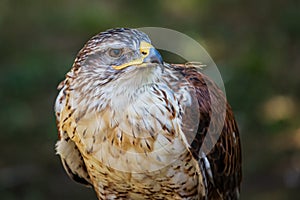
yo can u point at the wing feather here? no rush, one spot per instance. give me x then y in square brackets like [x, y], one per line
[223, 163]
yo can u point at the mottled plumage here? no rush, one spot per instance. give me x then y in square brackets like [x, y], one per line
[132, 126]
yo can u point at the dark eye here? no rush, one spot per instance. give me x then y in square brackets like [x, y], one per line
[115, 52]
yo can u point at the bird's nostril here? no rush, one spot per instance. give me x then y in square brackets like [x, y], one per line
[144, 53]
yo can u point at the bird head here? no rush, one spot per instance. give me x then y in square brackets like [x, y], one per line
[118, 51]
[114, 64]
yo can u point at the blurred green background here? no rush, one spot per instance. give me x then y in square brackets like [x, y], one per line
[255, 44]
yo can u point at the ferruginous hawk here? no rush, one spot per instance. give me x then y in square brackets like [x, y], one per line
[133, 127]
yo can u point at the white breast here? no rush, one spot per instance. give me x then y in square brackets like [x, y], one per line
[142, 135]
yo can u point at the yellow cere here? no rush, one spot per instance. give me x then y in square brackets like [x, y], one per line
[145, 48]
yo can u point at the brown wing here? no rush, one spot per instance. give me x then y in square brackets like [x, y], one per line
[222, 164]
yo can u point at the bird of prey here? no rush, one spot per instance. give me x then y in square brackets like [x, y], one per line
[132, 126]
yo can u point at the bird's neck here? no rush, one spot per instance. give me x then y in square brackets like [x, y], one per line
[125, 90]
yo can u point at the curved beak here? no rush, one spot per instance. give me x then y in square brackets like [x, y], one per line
[148, 55]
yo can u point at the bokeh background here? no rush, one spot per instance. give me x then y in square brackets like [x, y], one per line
[255, 44]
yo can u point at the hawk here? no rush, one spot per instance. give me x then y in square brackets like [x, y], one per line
[132, 126]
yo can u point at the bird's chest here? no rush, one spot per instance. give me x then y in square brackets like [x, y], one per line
[136, 147]
[142, 135]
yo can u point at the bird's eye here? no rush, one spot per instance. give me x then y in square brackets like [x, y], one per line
[115, 52]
